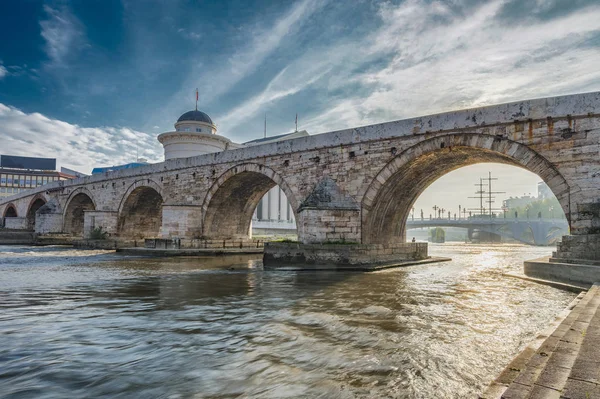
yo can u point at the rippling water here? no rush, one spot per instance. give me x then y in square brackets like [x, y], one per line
[77, 324]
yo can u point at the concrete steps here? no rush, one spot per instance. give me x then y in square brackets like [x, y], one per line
[567, 364]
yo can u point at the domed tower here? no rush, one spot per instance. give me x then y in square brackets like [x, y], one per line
[195, 134]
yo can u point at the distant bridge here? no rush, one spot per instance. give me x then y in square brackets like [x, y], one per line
[529, 231]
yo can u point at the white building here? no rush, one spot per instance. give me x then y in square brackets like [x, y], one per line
[196, 134]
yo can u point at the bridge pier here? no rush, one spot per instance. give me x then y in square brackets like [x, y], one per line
[15, 223]
[329, 233]
[344, 256]
[181, 221]
[583, 248]
[49, 218]
[107, 220]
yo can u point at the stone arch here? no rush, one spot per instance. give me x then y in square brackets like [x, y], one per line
[10, 211]
[34, 205]
[231, 200]
[79, 201]
[387, 202]
[140, 210]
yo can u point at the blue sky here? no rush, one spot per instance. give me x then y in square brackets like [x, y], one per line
[93, 82]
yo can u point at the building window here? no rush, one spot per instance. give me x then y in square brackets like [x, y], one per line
[186, 129]
[3, 179]
[199, 130]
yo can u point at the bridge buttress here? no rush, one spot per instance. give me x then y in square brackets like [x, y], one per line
[181, 221]
[107, 220]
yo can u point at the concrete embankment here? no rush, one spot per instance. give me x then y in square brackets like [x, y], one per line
[24, 237]
[16, 237]
[581, 272]
[189, 251]
[563, 362]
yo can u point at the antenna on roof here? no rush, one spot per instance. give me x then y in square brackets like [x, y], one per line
[196, 99]
[265, 125]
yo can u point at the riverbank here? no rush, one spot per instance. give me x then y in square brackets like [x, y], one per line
[562, 362]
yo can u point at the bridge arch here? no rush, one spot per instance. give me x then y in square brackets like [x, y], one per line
[233, 197]
[35, 204]
[387, 202]
[79, 201]
[10, 211]
[140, 210]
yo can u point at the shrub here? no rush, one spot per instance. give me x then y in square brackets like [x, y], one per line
[98, 234]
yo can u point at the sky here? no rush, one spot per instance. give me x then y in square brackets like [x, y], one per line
[92, 83]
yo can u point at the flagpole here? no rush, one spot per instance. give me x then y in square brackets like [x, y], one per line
[296, 121]
[265, 125]
[196, 99]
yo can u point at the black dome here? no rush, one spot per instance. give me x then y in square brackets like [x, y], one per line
[197, 116]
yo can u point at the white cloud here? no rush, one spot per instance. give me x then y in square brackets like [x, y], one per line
[286, 83]
[189, 34]
[76, 147]
[470, 60]
[259, 45]
[426, 58]
[63, 34]
[3, 71]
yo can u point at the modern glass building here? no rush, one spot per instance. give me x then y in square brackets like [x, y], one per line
[19, 174]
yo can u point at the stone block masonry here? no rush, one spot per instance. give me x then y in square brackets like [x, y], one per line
[356, 185]
[342, 255]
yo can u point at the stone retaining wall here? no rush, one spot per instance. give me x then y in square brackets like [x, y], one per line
[183, 243]
[280, 254]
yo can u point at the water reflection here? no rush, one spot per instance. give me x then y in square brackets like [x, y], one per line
[76, 324]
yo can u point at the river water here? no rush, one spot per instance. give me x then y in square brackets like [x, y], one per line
[78, 324]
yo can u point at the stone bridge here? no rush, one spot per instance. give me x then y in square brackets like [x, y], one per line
[350, 186]
[528, 231]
